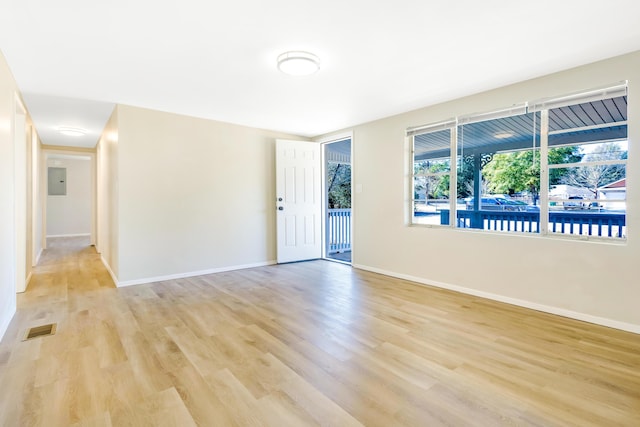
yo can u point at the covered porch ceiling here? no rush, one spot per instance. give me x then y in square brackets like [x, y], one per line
[339, 151]
[589, 122]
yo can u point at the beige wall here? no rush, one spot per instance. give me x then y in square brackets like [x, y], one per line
[70, 214]
[107, 179]
[194, 195]
[19, 154]
[8, 89]
[590, 280]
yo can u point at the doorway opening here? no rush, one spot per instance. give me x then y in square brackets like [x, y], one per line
[69, 199]
[337, 178]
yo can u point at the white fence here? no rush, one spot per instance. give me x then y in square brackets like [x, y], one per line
[339, 230]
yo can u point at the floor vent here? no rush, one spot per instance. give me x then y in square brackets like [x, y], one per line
[40, 331]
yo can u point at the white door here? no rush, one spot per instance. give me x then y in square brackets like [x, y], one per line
[298, 200]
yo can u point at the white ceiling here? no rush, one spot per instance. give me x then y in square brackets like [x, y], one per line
[217, 60]
[50, 112]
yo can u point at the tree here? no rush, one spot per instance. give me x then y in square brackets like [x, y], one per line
[465, 179]
[339, 185]
[520, 170]
[506, 173]
[596, 176]
[513, 172]
[433, 187]
[559, 156]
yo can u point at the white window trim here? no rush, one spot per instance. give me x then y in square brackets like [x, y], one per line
[542, 106]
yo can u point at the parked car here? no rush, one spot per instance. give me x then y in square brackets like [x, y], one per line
[513, 205]
[575, 202]
[496, 203]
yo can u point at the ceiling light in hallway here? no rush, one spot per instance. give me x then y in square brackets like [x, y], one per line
[71, 131]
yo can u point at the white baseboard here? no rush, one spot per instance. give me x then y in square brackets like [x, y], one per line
[108, 267]
[190, 274]
[38, 257]
[603, 321]
[26, 282]
[69, 235]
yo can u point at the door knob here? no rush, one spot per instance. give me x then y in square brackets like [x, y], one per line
[280, 208]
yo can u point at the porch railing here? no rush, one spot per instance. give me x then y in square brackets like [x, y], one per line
[339, 230]
[601, 224]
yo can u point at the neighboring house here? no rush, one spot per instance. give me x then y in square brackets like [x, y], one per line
[564, 191]
[614, 194]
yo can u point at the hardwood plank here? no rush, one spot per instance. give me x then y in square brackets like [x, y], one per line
[201, 399]
[236, 399]
[164, 408]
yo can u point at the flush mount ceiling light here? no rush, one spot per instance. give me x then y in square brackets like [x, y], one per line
[503, 135]
[71, 131]
[298, 63]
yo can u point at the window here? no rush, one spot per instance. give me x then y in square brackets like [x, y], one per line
[588, 168]
[548, 167]
[432, 175]
[499, 171]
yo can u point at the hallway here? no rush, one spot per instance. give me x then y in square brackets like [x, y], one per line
[67, 288]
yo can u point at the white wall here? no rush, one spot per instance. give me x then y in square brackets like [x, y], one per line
[107, 178]
[554, 274]
[38, 220]
[194, 195]
[8, 89]
[70, 214]
[29, 202]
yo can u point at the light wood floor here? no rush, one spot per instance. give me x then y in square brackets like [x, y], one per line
[313, 343]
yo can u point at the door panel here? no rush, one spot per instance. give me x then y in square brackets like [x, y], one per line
[298, 200]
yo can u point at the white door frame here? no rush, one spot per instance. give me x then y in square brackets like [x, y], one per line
[67, 151]
[36, 197]
[325, 199]
[20, 220]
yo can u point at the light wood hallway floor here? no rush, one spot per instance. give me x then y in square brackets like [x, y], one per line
[314, 343]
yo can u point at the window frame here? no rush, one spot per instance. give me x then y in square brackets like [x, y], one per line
[452, 126]
[543, 107]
